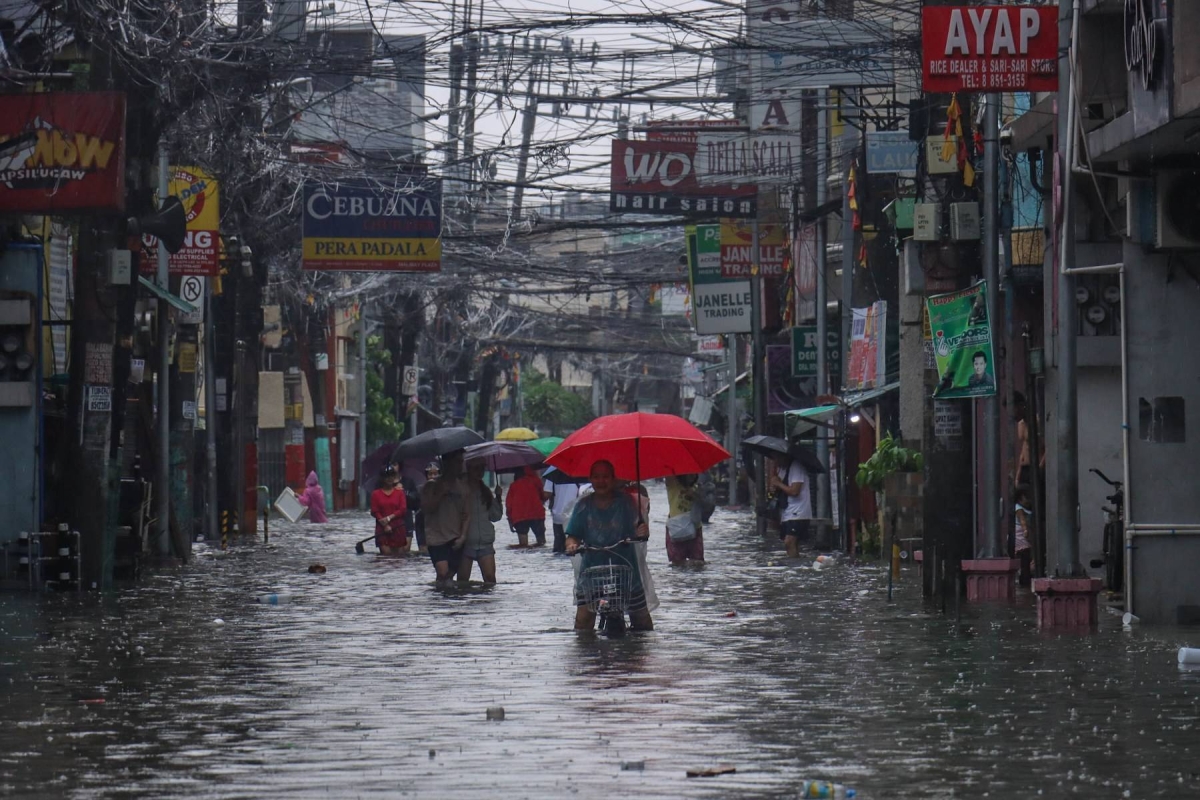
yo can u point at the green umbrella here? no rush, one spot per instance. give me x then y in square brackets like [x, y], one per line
[546, 445]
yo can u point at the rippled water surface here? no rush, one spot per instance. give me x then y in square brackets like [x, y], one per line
[372, 683]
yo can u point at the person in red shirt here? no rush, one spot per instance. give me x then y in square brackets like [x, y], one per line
[526, 509]
[388, 507]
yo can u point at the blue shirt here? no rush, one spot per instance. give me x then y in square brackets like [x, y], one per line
[603, 527]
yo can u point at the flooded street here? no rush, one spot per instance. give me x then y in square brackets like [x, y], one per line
[370, 682]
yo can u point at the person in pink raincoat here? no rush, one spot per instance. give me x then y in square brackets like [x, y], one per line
[313, 497]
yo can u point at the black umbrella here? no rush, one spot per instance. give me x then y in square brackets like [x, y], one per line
[769, 446]
[436, 442]
[807, 458]
[560, 478]
[373, 463]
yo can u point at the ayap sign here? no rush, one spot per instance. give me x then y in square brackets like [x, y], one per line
[989, 48]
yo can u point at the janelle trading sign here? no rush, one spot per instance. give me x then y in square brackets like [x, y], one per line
[962, 343]
[62, 152]
[659, 177]
[737, 249]
[373, 228]
[989, 48]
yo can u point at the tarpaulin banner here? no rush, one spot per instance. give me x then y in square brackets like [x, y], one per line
[962, 343]
[867, 353]
[62, 152]
[368, 227]
[201, 254]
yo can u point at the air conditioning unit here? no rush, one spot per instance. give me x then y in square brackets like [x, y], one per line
[1177, 210]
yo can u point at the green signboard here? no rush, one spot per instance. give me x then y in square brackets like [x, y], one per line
[719, 305]
[962, 343]
[804, 353]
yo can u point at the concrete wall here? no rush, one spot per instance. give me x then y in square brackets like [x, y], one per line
[1163, 335]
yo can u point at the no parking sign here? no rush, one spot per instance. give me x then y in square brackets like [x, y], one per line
[191, 289]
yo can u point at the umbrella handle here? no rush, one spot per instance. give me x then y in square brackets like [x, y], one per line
[637, 462]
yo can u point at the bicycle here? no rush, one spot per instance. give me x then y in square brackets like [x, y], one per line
[1114, 535]
[607, 588]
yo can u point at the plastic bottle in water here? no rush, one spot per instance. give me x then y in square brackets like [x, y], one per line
[823, 789]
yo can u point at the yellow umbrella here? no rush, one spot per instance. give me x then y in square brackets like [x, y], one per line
[516, 435]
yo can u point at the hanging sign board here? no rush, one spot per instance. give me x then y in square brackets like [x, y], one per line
[989, 48]
[962, 343]
[804, 353]
[370, 227]
[759, 157]
[737, 243]
[686, 130]
[201, 251]
[891, 153]
[659, 177]
[62, 152]
[719, 305]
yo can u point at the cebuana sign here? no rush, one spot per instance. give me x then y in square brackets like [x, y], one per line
[364, 227]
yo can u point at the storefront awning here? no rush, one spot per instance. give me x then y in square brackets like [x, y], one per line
[176, 301]
[870, 395]
[740, 379]
[803, 420]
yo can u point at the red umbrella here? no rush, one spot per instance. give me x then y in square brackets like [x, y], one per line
[640, 446]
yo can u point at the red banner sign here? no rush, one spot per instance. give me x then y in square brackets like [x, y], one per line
[660, 178]
[62, 152]
[686, 130]
[989, 48]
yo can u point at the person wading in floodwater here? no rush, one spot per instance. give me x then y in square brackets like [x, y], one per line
[389, 507]
[444, 507]
[793, 482]
[484, 509]
[525, 509]
[601, 519]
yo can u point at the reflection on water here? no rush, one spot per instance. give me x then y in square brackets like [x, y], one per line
[373, 682]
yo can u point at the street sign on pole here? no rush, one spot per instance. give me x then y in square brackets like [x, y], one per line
[191, 289]
[408, 386]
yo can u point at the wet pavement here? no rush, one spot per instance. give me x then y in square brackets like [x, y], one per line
[370, 682]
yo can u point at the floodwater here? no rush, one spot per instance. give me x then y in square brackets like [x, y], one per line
[372, 683]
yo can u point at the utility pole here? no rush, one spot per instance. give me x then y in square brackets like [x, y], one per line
[362, 404]
[822, 295]
[162, 488]
[759, 378]
[455, 89]
[734, 428]
[1065, 391]
[211, 530]
[993, 543]
[528, 122]
[847, 320]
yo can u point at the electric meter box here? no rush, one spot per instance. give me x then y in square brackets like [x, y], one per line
[964, 221]
[926, 222]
